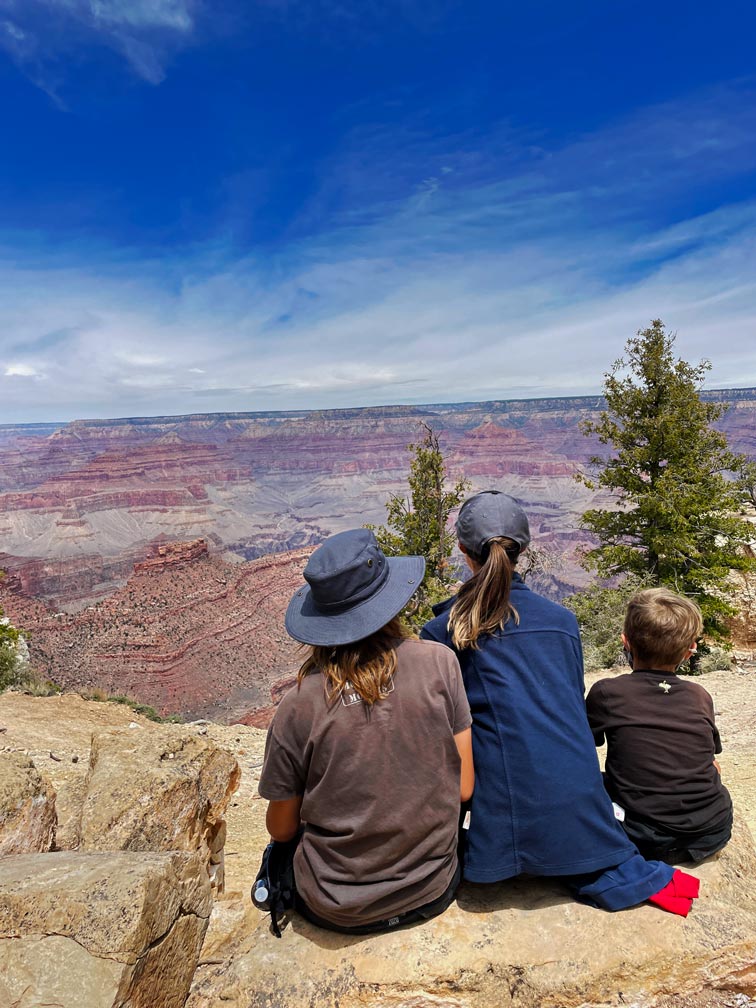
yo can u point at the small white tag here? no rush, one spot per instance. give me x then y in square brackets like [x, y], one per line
[349, 695]
[466, 820]
[619, 812]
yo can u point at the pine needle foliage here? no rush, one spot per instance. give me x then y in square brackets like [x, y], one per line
[416, 525]
[13, 661]
[600, 612]
[677, 520]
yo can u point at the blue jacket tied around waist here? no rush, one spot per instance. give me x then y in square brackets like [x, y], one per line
[539, 804]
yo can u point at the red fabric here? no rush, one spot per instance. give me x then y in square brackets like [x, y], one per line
[686, 885]
[678, 894]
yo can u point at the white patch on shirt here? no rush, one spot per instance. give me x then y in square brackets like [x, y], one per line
[349, 694]
[664, 685]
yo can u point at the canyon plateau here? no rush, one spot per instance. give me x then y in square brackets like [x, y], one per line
[154, 557]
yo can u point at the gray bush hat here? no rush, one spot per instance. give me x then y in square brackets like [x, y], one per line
[352, 590]
[487, 516]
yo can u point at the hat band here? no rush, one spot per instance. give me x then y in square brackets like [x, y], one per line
[342, 605]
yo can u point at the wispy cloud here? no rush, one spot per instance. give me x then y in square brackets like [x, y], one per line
[482, 281]
[41, 35]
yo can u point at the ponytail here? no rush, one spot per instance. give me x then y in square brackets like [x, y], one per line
[482, 605]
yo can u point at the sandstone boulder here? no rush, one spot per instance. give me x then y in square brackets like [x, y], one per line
[157, 790]
[116, 930]
[523, 943]
[27, 807]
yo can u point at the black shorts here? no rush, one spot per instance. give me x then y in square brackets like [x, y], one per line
[658, 842]
[425, 912]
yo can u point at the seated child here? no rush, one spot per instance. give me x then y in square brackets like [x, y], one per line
[661, 737]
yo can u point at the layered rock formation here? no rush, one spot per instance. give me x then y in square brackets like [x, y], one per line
[118, 921]
[144, 516]
[188, 633]
[80, 504]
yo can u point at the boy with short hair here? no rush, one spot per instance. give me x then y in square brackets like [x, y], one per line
[661, 736]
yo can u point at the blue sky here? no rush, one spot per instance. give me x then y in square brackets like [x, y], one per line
[212, 205]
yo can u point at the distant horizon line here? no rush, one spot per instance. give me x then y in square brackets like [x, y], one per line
[737, 392]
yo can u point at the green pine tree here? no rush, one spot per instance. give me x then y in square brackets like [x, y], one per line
[13, 655]
[416, 525]
[677, 520]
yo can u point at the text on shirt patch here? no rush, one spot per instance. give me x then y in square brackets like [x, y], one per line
[349, 694]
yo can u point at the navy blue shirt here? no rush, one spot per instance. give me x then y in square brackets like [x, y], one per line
[539, 804]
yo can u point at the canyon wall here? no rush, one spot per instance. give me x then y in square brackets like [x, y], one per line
[80, 504]
[154, 557]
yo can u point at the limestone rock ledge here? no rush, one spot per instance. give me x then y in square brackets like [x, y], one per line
[27, 807]
[108, 930]
[158, 790]
[523, 943]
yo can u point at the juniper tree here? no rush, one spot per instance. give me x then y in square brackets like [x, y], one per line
[416, 524]
[676, 519]
[13, 655]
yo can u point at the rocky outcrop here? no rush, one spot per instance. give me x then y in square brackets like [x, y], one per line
[119, 921]
[27, 807]
[157, 789]
[100, 930]
[173, 553]
[523, 943]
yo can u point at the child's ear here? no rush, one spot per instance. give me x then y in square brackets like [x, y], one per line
[626, 643]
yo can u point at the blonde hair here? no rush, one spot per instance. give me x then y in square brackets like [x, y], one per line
[366, 664]
[660, 626]
[482, 604]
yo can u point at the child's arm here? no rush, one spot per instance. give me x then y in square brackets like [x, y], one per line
[594, 708]
[282, 818]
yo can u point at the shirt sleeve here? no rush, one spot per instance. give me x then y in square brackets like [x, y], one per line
[594, 708]
[282, 775]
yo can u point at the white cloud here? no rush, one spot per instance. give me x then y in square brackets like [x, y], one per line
[40, 35]
[522, 285]
[21, 371]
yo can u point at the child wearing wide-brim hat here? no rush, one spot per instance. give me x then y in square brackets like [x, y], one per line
[377, 729]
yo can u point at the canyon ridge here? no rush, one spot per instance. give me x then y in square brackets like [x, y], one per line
[154, 557]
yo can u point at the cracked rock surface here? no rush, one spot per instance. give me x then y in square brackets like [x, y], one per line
[110, 930]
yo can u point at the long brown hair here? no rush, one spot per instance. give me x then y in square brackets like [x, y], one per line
[482, 604]
[367, 664]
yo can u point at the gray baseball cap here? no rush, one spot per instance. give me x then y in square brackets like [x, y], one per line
[487, 516]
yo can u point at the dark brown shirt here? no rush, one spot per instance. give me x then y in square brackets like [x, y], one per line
[661, 741]
[380, 787]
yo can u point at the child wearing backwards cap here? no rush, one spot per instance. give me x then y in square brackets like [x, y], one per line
[661, 737]
[539, 804]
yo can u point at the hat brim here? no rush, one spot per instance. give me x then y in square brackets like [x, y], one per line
[309, 625]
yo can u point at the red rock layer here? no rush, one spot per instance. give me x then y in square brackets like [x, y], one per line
[187, 634]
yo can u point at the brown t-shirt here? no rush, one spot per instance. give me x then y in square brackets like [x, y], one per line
[380, 787]
[661, 741]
